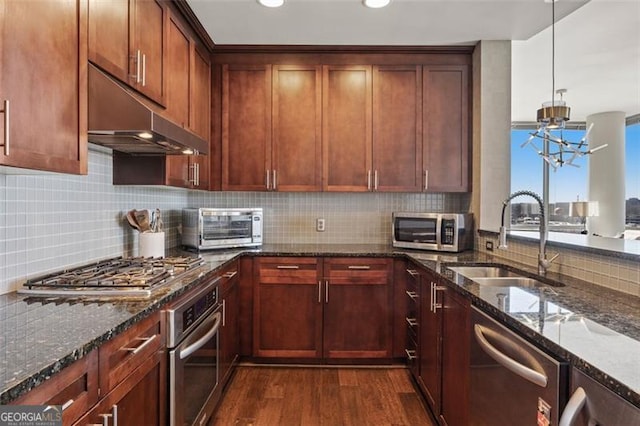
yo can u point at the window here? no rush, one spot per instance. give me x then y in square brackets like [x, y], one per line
[567, 184]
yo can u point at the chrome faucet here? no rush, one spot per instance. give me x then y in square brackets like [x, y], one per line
[543, 262]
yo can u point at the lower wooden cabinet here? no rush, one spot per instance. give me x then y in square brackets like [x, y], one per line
[138, 400]
[229, 335]
[442, 354]
[122, 382]
[323, 308]
[75, 388]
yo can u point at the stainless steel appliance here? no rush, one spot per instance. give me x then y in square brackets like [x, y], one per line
[122, 120]
[593, 404]
[451, 232]
[193, 338]
[211, 228]
[136, 277]
[512, 382]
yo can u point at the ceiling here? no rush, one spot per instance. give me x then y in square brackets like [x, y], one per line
[597, 42]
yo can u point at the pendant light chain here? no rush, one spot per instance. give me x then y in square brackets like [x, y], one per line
[553, 53]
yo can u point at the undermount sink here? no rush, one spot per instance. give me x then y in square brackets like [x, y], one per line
[498, 276]
[472, 272]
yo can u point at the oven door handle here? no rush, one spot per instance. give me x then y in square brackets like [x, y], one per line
[217, 320]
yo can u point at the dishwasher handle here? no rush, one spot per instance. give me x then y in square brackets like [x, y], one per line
[573, 408]
[507, 362]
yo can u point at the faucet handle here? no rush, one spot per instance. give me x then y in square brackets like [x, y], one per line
[545, 263]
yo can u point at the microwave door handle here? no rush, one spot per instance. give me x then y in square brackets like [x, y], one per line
[217, 320]
[573, 407]
[439, 231]
[507, 362]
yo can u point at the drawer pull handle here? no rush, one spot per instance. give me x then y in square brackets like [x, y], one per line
[412, 321]
[288, 267]
[413, 272]
[6, 126]
[67, 404]
[147, 341]
[411, 354]
[360, 267]
[230, 274]
[412, 294]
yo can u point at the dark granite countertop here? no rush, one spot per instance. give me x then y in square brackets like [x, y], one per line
[597, 329]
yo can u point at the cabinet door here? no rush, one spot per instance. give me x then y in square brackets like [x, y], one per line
[148, 29]
[456, 330]
[109, 27]
[75, 388]
[446, 128]
[358, 308]
[346, 128]
[246, 127]
[137, 400]
[430, 337]
[397, 128]
[297, 142]
[178, 171]
[178, 69]
[229, 335]
[200, 92]
[287, 310]
[43, 85]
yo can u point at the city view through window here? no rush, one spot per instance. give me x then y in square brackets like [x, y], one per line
[568, 184]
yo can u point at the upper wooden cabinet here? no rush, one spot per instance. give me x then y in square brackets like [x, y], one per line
[188, 104]
[396, 122]
[246, 127]
[271, 128]
[346, 128]
[446, 128]
[296, 151]
[127, 39]
[397, 128]
[43, 85]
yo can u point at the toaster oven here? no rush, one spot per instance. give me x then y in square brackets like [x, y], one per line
[212, 228]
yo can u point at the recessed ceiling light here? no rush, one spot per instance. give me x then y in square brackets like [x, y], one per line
[271, 3]
[375, 4]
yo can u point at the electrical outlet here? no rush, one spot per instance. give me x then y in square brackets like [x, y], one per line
[488, 245]
[320, 225]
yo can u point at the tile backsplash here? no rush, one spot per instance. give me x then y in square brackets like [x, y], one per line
[607, 271]
[53, 221]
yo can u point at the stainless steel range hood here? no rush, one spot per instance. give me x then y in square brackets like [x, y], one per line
[120, 120]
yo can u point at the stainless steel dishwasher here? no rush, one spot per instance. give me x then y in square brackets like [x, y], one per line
[512, 381]
[592, 404]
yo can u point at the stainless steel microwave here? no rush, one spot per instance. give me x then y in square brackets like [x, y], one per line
[212, 228]
[451, 232]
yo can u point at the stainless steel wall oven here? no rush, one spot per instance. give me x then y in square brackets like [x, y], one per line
[193, 340]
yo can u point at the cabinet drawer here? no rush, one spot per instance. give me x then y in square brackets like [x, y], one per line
[127, 351]
[75, 388]
[288, 270]
[229, 276]
[359, 271]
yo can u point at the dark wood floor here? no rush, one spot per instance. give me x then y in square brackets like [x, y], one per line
[289, 396]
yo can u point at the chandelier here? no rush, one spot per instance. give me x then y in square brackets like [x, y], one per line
[552, 118]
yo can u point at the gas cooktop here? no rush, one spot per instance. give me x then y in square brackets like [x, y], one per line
[132, 277]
